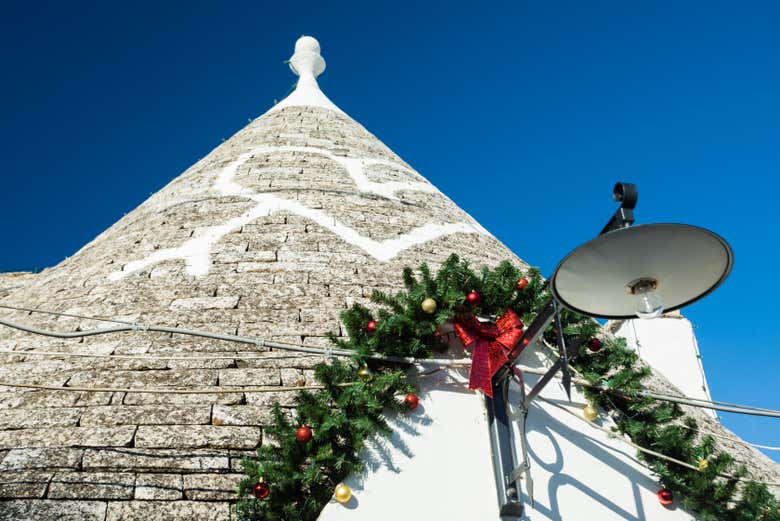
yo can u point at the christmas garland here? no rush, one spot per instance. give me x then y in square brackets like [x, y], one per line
[310, 452]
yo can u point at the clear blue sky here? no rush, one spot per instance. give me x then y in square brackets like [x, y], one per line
[525, 113]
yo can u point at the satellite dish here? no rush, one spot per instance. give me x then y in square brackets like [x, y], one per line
[642, 270]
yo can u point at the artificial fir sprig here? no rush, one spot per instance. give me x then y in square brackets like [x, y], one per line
[349, 410]
[302, 476]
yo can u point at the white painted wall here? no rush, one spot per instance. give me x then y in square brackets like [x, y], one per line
[668, 345]
[438, 465]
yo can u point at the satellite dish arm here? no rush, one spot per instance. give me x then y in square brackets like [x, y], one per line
[505, 465]
[626, 194]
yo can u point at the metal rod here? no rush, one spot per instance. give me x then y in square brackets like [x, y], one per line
[562, 351]
[531, 335]
[525, 465]
[503, 452]
[572, 349]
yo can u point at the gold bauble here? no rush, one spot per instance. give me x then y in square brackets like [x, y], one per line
[365, 373]
[342, 493]
[590, 412]
[703, 464]
[428, 305]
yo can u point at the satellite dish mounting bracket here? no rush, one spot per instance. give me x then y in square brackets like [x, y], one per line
[626, 194]
[507, 470]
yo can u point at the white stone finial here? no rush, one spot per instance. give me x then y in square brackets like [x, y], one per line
[307, 44]
[307, 61]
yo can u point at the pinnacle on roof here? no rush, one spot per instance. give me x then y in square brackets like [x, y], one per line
[308, 64]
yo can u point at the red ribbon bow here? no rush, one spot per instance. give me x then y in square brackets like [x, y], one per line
[490, 343]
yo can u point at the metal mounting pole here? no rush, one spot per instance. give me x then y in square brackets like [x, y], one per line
[502, 445]
[506, 470]
[503, 453]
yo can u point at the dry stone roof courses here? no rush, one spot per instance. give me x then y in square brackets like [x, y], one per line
[11, 281]
[272, 234]
[281, 276]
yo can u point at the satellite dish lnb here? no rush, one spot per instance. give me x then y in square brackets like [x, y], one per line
[642, 271]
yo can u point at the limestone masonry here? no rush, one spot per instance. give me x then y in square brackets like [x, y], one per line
[272, 234]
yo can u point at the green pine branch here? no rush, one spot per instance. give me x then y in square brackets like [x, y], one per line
[348, 410]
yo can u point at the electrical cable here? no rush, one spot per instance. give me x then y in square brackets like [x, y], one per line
[129, 326]
[652, 452]
[259, 342]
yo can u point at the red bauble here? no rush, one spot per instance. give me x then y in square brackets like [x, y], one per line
[303, 434]
[371, 326]
[412, 401]
[473, 298]
[665, 497]
[521, 284]
[594, 344]
[261, 490]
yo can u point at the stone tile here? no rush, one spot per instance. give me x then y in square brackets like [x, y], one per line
[204, 362]
[249, 377]
[47, 399]
[10, 399]
[184, 399]
[91, 485]
[158, 487]
[132, 348]
[167, 510]
[258, 266]
[145, 415]
[156, 460]
[292, 377]
[190, 346]
[237, 456]
[38, 418]
[210, 487]
[23, 485]
[283, 398]
[130, 365]
[253, 327]
[46, 510]
[286, 360]
[241, 415]
[48, 372]
[198, 436]
[168, 377]
[203, 303]
[86, 399]
[290, 277]
[68, 437]
[246, 257]
[19, 459]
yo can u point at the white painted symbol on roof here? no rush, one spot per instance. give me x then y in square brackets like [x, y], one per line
[196, 251]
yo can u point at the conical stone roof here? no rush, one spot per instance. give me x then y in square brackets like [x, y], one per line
[272, 234]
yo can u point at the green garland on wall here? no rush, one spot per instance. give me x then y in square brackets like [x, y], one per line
[297, 473]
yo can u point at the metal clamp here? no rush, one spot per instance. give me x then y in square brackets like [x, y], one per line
[519, 472]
